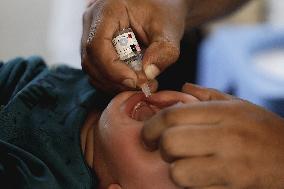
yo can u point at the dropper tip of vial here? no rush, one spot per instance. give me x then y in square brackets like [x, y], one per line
[146, 90]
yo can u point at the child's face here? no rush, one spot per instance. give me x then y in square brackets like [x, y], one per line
[120, 157]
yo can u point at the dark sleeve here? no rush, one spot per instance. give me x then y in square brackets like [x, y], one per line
[21, 170]
[16, 74]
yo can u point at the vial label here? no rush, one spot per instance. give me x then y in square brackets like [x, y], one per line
[126, 45]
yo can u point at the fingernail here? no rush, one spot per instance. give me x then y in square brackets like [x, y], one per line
[129, 83]
[152, 71]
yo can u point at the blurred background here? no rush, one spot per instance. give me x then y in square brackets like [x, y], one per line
[242, 54]
[49, 28]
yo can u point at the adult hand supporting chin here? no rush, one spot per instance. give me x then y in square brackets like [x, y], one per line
[220, 142]
[154, 25]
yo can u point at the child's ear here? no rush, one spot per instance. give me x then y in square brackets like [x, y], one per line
[114, 186]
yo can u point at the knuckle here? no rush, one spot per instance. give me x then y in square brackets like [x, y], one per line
[167, 117]
[172, 51]
[177, 174]
[167, 52]
[235, 140]
[175, 51]
[146, 133]
[207, 95]
[167, 144]
[213, 94]
[238, 140]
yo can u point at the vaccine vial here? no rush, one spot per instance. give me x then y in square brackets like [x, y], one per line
[130, 52]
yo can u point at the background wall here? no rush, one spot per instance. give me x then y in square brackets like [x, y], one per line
[276, 12]
[65, 29]
[23, 28]
[49, 28]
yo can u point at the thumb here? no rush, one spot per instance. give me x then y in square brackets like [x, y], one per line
[158, 56]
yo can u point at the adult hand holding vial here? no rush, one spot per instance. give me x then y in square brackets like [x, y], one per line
[159, 26]
[157, 30]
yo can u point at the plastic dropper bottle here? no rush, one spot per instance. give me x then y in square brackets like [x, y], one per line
[129, 51]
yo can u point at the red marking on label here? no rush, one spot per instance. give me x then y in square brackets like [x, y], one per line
[138, 48]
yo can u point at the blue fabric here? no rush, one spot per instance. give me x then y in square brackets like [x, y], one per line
[225, 64]
[42, 111]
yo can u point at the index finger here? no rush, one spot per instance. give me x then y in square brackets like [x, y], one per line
[199, 113]
[205, 94]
